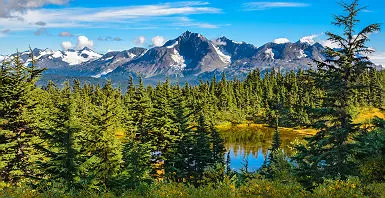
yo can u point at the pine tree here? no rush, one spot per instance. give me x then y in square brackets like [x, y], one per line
[218, 149]
[328, 154]
[62, 137]
[18, 135]
[101, 144]
[228, 163]
[163, 132]
[202, 152]
[179, 161]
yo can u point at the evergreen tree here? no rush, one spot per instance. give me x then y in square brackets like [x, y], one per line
[202, 154]
[62, 135]
[218, 148]
[18, 134]
[101, 144]
[328, 154]
[228, 163]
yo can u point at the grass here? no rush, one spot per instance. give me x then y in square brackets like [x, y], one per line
[366, 114]
[244, 126]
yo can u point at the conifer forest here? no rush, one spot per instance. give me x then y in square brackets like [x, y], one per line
[80, 139]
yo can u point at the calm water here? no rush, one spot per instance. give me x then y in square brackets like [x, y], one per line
[252, 143]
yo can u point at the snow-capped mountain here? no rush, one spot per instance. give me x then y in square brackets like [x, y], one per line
[189, 56]
[108, 62]
[54, 59]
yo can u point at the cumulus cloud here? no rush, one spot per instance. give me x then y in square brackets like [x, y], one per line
[40, 23]
[66, 45]
[41, 31]
[140, 40]
[281, 40]
[7, 7]
[309, 39]
[253, 6]
[66, 34]
[83, 42]
[158, 41]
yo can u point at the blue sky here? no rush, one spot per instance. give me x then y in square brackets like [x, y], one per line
[121, 24]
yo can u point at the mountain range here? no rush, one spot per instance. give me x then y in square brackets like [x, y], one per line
[189, 57]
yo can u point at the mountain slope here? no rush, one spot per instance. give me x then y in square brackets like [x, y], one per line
[187, 58]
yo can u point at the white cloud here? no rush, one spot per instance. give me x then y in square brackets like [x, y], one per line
[7, 7]
[83, 42]
[158, 41]
[309, 39]
[281, 40]
[252, 6]
[378, 58]
[66, 45]
[131, 16]
[140, 40]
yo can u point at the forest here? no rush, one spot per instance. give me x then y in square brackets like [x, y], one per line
[84, 140]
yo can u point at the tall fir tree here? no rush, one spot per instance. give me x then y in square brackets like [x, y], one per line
[18, 134]
[328, 154]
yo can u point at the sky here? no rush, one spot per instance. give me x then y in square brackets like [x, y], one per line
[106, 25]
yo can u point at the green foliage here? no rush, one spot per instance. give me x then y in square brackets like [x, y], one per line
[371, 153]
[82, 140]
[18, 134]
[329, 154]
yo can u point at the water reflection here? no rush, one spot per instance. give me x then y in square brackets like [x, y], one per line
[253, 143]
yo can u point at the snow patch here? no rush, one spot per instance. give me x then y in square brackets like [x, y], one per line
[72, 58]
[131, 55]
[178, 59]
[239, 43]
[103, 73]
[173, 45]
[57, 54]
[269, 53]
[75, 58]
[222, 56]
[302, 54]
[91, 54]
[109, 58]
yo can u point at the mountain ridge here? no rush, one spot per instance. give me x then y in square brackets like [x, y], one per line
[188, 57]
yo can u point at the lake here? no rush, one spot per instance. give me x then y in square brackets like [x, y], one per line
[252, 142]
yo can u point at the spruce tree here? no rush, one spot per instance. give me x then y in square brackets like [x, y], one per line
[62, 135]
[18, 134]
[328, 154]
[218, 148]
[103, 149]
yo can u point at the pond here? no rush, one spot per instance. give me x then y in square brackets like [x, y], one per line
[252, 143]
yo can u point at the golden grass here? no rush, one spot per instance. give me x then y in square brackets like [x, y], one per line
[366, 114]
[228, 125]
